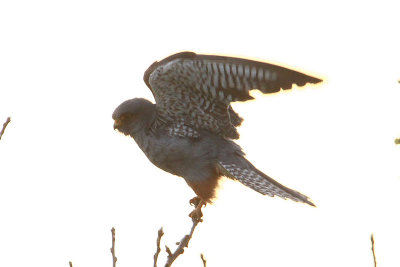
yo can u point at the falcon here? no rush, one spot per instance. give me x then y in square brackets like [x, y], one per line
[190, 129]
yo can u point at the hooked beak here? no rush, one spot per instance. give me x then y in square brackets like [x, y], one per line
[117, 123]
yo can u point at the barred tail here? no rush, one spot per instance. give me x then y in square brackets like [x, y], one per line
[260, 182]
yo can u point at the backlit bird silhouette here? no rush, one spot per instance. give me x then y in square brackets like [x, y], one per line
[189, 131]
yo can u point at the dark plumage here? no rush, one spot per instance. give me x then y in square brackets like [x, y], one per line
[189, 131]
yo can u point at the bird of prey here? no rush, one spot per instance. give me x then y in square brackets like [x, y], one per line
[189, 131]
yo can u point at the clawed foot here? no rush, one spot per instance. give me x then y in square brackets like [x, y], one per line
[196, 214]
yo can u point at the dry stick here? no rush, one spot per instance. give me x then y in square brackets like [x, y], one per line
[4, 126]
[203, 259]
[160, 234]
[113, 247]
[373, 248]
[184, 243]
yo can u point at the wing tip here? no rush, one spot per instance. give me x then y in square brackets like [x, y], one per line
[310, 202]
[315, 80]
[301, 81]
[305, 79]
[299, 197]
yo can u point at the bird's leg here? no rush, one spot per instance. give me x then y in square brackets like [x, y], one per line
[198, 203]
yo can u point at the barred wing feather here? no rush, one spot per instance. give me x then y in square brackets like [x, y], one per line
[197, 89]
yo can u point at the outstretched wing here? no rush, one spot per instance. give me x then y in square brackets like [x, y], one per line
[196, 90]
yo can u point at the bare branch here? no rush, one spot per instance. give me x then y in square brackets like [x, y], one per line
[160, 234]
[196, 216]
[184, 243]
[4, 126]
[373, 248]
[113, 247]
[203, 259]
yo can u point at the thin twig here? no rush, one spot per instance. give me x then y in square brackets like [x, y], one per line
[4, 126]
[113, 247]
[70, 264]
[373, 248]
[184, 243]
[160, 234]
[203, 259]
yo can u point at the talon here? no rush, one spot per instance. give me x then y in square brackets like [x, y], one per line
[197, 214]
[195, 201]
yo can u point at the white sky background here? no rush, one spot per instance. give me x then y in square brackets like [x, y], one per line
[66, 177]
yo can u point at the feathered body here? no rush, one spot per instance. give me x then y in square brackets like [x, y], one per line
[189, 132]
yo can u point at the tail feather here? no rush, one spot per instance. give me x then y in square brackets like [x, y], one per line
[260, 182]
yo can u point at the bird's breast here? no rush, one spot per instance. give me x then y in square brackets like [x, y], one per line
[177, 155]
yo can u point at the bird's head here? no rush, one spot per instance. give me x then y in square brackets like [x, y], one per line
[133, 115]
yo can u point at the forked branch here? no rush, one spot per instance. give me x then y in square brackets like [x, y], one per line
[184, 243]
[196, 216]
